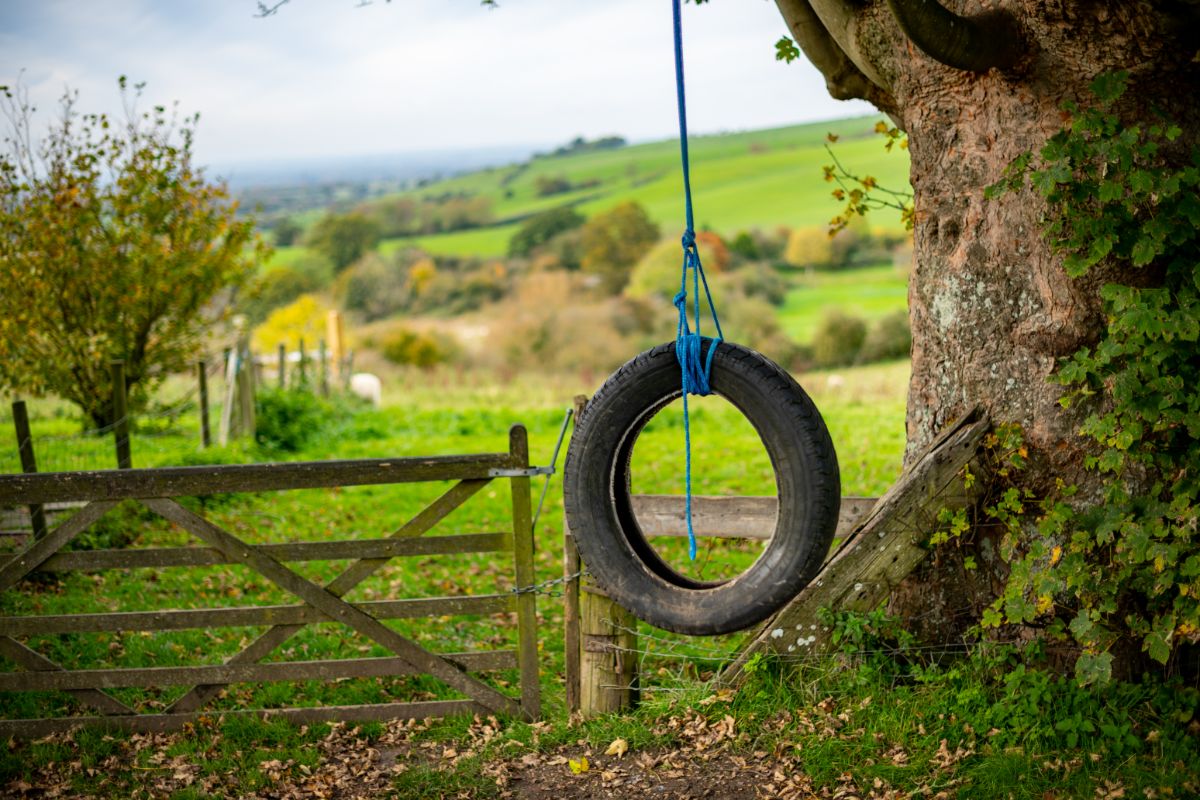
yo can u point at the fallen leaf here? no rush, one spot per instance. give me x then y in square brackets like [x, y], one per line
[618, 748]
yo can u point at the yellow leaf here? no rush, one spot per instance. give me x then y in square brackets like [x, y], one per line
[618, 748]
[579, 766]
[1055, 555]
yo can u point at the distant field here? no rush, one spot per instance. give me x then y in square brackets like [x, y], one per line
[758, 179]
[869, 293]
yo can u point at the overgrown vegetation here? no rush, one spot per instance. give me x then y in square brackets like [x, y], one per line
[1124, 566]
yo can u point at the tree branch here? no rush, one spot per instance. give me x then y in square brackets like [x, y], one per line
[976, 44]
[840, 21]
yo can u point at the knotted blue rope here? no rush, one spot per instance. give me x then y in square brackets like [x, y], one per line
[695, 367]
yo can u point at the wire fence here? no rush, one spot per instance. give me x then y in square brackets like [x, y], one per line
[162, 432]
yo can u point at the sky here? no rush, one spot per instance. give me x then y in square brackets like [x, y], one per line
[328, 78]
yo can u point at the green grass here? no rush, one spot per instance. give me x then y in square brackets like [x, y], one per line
[756, 179]
[910, 702]
[869, 293]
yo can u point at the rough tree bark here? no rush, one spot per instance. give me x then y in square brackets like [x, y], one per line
[992, 310]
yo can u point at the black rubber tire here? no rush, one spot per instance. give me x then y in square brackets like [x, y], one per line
[596, 492]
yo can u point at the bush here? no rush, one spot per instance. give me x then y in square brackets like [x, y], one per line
[374, 287]
[287, 419]
[305, 319]
[838, 340]
[541, 228]
[809, 248]
[889, 338]
[413, 348]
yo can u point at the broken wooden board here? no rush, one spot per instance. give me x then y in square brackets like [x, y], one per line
[887, 545]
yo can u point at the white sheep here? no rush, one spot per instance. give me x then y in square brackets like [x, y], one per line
[368, 387]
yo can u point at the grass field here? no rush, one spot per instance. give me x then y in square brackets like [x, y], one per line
[757, 179]
[869, 718]
[869, 293]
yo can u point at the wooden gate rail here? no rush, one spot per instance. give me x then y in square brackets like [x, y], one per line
[157, 488]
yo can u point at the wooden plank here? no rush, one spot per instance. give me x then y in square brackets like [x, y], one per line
[33, 556]
[522, 519]
[93, 560]
[359, 571]
[328, 670]
[249, 616]
[218, 479]
[749, 517]
[160, 723]
[38, 664]
[333, 606]
[884, 549]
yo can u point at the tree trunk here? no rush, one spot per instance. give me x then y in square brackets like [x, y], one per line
[992, 310]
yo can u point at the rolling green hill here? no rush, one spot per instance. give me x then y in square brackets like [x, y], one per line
[754, 179]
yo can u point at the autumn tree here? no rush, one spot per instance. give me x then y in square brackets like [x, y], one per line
[1000, 305]
[613, 242]
[113, 245]
[344, 238]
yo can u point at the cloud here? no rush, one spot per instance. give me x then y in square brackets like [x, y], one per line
[323, 77]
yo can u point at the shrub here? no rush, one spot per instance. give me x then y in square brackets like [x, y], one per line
[889, 338]
[304, 319]
[409, 347]
[613, 242]
[838, 339]
[374, 287]
[287, 419]
[809, 248]
[657, 274]
[344, 239]
[541, 228]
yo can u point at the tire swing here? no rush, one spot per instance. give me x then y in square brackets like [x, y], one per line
[597, 491]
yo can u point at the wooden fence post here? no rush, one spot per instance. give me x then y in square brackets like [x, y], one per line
[303, 374]
[571, 572]
[202, 376]
[246, 426]
[120, 415]
[28, 462]
[608, 654]
[282, 365]
[324, 358]
[337, 350]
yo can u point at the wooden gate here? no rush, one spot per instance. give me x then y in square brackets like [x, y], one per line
[160, 489]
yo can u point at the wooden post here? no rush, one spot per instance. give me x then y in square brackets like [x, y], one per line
[282, 365]
[205, 431]
[527, 652]
[571, 569]
[28, 462]
[605, 637]
[324, 358]
[303, 379]
[246, 426]
[120, 412]
[607, 655]
[337, 350]
[228, 430]
[347, 370]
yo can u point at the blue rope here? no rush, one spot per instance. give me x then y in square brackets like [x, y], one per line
[695, 368]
